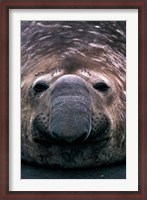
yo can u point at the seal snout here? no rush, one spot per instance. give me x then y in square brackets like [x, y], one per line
[70, 111]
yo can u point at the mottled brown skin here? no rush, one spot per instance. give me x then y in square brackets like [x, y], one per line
[73, 93]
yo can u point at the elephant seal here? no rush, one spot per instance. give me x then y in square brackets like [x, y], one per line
[73, 101]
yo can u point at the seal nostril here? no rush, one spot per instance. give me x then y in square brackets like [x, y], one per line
[82, 138]
[55, 136]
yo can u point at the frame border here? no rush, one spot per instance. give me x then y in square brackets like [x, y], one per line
[5, 5]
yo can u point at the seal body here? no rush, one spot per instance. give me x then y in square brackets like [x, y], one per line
[73, 103]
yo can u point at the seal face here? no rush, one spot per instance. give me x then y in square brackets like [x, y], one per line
[73, 93]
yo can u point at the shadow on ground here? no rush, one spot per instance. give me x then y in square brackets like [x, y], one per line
[37, 172]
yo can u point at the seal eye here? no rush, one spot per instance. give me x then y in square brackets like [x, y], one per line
[40, 86]
[102, 87]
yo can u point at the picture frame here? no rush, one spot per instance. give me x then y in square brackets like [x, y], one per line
[141, 5]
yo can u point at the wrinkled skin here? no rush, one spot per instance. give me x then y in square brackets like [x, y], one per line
[73, 86]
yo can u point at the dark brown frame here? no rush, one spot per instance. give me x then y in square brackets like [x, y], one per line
[141, 5]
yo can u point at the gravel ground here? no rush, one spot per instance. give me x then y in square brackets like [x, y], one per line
[37, 172]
